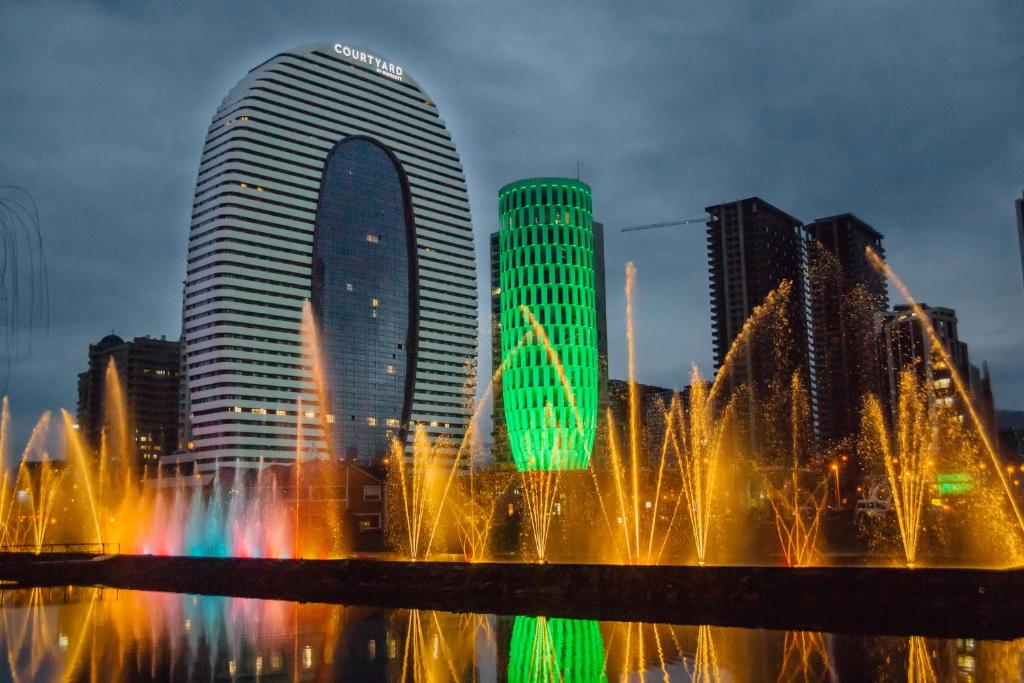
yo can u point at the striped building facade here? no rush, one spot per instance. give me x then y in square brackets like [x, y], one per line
[249, 393]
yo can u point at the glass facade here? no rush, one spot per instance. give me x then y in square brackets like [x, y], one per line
[547, 268]
[364, 297]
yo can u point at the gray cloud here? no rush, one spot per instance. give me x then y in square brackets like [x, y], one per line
[907, 113]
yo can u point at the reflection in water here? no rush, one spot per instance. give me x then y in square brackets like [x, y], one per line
[804, 658]
[552, 650]
[705, 662]
[919, 664]
[96, 634]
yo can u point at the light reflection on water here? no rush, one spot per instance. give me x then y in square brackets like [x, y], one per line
[95, 634]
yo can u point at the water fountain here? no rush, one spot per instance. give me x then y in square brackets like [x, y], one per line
[636, 503]
[701, 495]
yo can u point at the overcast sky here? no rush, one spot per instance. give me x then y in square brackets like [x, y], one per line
[908, 113]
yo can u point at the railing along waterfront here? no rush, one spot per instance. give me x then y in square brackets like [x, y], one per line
[86, 548]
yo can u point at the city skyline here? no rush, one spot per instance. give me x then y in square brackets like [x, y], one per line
[654, 149]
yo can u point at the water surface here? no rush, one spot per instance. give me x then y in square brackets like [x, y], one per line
[97, 634]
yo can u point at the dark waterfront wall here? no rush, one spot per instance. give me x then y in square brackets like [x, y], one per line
[364, 294]
[978, 603]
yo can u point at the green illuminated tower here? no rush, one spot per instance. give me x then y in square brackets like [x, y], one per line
[546, 245]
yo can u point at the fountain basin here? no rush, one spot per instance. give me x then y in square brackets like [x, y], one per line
[941, 602]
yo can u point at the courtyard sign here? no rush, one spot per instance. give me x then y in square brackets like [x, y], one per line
[381, 66]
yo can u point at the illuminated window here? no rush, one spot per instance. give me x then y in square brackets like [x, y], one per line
[280, 412]
[372, 239]
[392, 422]
[371, 421]
[349, 287]
[391, 369]
[329, 418]
[375, 302]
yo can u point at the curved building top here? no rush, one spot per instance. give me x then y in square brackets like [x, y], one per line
[533, 182]
[360, 56]
[248, 388]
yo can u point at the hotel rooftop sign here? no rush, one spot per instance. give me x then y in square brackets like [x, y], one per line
[381, 66]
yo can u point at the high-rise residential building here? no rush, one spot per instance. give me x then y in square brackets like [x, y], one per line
[147, 370]
[327, 175]
[984, 401]
[501, 450]
[847, 295]
[752, 248]
[1019, 203]
[653, 404]
[548, 308]
[601, 310]
[905, 343]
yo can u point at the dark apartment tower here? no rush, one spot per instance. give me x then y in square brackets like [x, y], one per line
[652, 402]
[904, 343]
[984, 402]
[149, 372]
[847, 296]
[600, 303]
[752, 248]
[1020, 228]
[501, 451]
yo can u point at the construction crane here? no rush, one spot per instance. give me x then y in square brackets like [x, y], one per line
[651, 226]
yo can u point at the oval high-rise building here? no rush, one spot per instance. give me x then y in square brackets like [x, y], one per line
[365, 295]
[327, 174]
[546, 245]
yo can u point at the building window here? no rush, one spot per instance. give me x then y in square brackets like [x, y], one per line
[371, 421]
[372, 239]
[371, 493]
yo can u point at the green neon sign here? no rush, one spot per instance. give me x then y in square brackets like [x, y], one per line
[543, 649]
[547, 268]
[954, 483]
